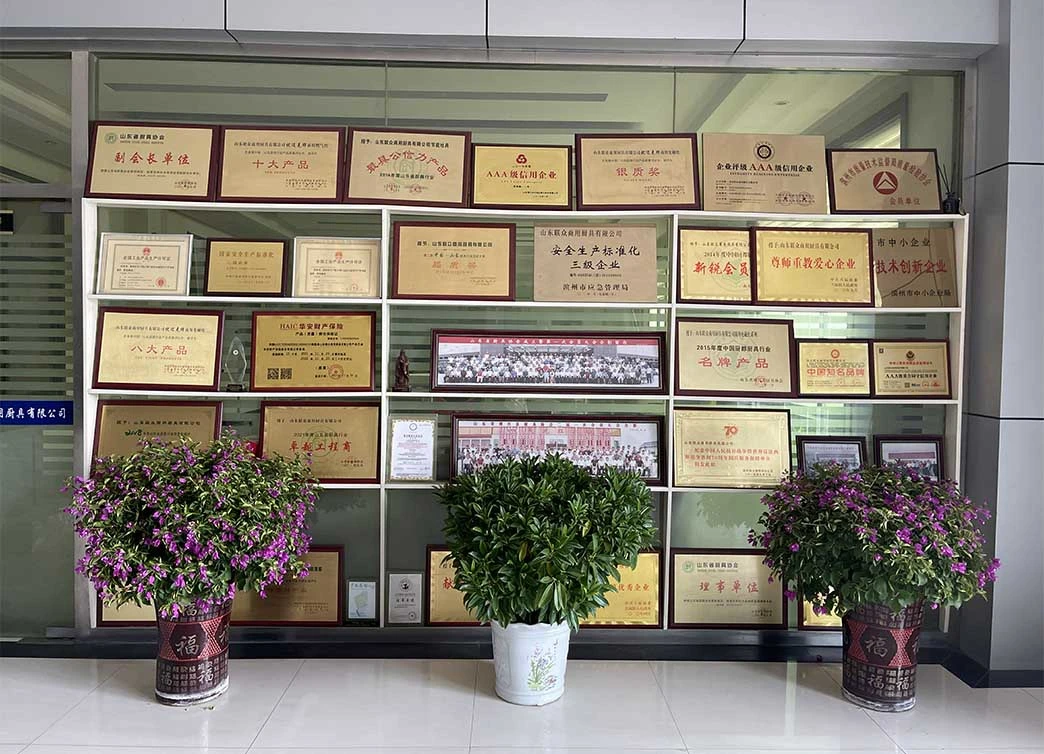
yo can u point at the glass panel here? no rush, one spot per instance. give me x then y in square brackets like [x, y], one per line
[35, 120]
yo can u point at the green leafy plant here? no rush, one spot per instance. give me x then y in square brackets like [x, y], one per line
[877, 535]
[539, 540]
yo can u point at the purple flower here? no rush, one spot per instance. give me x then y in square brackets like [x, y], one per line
[794, 547]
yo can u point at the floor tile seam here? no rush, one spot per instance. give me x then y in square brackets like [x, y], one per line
[667, 703]
[268, 717]
[881, 728]
[1031, 696]
[474, 705]
[825, 671]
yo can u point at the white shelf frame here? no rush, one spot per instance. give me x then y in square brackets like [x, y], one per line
[92, 302]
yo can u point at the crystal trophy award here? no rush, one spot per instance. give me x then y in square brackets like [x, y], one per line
[235, 365]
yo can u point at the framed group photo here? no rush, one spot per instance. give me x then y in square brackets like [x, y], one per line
[923, 453]
[849, 451]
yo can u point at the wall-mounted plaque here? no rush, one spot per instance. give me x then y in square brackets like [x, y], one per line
[362, 600]
[121, 426]
[594, 263]
[883, 181]
[144, 264]
[714, 265]
[434, 260]
[337, 267]
[152, 161]
[445, 605]
[922, 453]
[719, 447]
[834, 368]
[637, 171]
[158, 349]
[735, 357]
[412, 454]
[281, 164]
[404, 598]
[313, 600]
[506, 361]
[723, 588]
[125, 615]
[914, 267]
[386, 166]
[813, 266]
[911, 369]
[637, 602]
[848, 451]
[764, 173]
[340, 438]
[315, 351]
[810, 620]
[241, 267]
[518, 176]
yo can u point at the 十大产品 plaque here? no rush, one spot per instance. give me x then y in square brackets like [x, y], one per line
[735, 357]
[122, 426]
[724, 588]
[340, 438]
[144, 264]
[911, 368]
[594, 263]
[714, 265]
[834, 367]
[731, 447]
[386, 166]
[636, 171]
[245, 268]
[315, 351]
[888, 181]
[336, 267]
[811, 266]
[453, 261]
[510, 176]
[281, 164]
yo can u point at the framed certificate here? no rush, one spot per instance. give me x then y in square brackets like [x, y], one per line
[337, 267]
[404, 598]
[923, 453]
[914, 267]
[883, 181]
[637, 601]
[911, 368]
[340, 438]
[721, 447]
[120, 426]
[281, 164]
[810, 620]
[713, 265]
[764, 173]
[445, 605]
[388, 166]
[124, 616]
[595, 263]
[313, 351]
[243, 267]
[834, 368]
[152, 161]
[848, 451]
[413, 442]
[575, 362]
[143, 349]
[813, 266]
[735, 357]
[144, 264]
[516, 176]
[434, 260]
[637, 171]
[313, 600]
[724, 588]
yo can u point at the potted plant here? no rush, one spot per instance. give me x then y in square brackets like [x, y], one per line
[875, 545]
[183, 527]
[536, 544]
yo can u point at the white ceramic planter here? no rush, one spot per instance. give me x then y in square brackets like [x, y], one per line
[530, 662]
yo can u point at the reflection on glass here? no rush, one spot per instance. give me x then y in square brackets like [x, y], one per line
[35, 120]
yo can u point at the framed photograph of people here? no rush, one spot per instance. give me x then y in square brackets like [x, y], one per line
[923, 453]
[724, 588]
[735, 357]
[633, 443]
[834, 368]
[911, 369]
[580, 362]
[849, 451]
[245, 267]
[144, 264]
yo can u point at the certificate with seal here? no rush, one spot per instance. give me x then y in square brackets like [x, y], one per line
[735, 357]
[387, 166]
[718, 447]
[595, 263]
[436, 260]
[340, 438]
[158, 348]
[445, 606]
[240, 267]
[883, 181]
[911, 368]
[724, 588]
[714, 265]
[336, 267]
[915, 267]
[152, 161]
[144, 264]
[122, 425]
[813, 266]
[283, 164]
[517, 176]
[636, 603]
[636, 171]
[413, 442]
[834, 368]
[313, 600]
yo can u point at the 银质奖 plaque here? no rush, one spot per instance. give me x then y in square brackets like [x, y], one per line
[453, 261]
[340, 438]
[336, 267]
[122, 425]
[313, 600]
[636, 601]
[911, 368]
[282, 164]
[516, 176]
[914, 267]
[387, 166]
[714, 265]
[834, 368]
[637, 171]
[238, 267]
[594, 263]
[813, 266]
[148, 264]
[731, 447]
[724, 588]
[735, 357]
[445, 606]
[883, 181]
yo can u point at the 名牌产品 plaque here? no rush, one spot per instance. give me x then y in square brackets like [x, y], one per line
[914, 267]
[731, 447]
[445, 605]
[515, 176]
[636, 601]
[812, 266]
[636, 171]
[724, 589]
[453, 261]
[147, 264]
[714, 265]
[315, 599]
[244, 268]
[834, 367]
[340, 438]
[281, 164]
[122, 425]
[336, 267]
[315, 351]
[888, 181]
[735, 357]
[386, 166]
[911, 368]
[594, 263]
[412, 453]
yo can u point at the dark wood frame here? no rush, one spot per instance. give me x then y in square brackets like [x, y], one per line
[658, 481]
[212, 177]
[792, 353]
[660, 602]
[674, 449]
[917, 211]
[675, 206]
[659, 337]
[282, 268]
[219, 313]
[426, 615]
[312, 313]
[750, 552]
[939, 440]
[218, 405]
[724, 303]
[339, 180]
[799, 441]
[395, 269]
[802, 626]
[99, 267]
[907, 397]
[869, 304]
[841, 341]
[569, 178]
[465, 168]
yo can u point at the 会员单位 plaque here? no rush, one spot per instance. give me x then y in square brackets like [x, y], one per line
[884, 181]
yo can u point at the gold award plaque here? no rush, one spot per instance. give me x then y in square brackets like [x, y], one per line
[732, 589]
[451, 261]
[730, 448]
[445, 602]
[407, 167]
[122, 426]
[341, 439]
[813, 267]
[311, 599]
[312, 351]
[144, 264]
[594, 263]
[336, 267]
[912, 368]
[811, 619]
[764, 173]
[635, 172]
[884, 180]
[735, 357]
[715, 265]
[914, 267]
[833, 367]
[144, 160]
[281, 164]
[242, 268]
[636, 601]
[128, 613]
[518, 176]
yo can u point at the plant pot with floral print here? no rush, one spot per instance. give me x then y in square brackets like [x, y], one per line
[183, 526]
[875, 545]
[536, 544]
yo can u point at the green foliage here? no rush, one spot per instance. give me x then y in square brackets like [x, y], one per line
[539, 540]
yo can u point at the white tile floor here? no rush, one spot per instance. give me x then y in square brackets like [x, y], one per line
[448, 707]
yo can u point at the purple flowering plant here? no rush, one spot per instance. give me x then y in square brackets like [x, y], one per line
[179, 524]
[876, 535]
